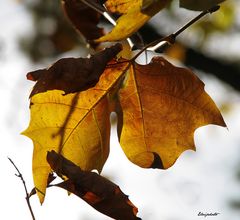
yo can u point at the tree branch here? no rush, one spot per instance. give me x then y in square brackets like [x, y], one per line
[25, 188]
[171, 38]
[227, 72]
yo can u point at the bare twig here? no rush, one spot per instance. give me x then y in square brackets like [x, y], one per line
[25, 188]
[170, 39]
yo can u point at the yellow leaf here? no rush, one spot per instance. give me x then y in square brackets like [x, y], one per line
[122, 6]
[132, 19]
[76, 125]
[161, 106]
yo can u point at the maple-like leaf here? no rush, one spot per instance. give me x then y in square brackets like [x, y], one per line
[134, 14]
[199, 5]
[76, 124]
[161, 107]
[97, 191]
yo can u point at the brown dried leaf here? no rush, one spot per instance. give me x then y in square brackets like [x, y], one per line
[97, 191]
[73, 74]
[84, 19]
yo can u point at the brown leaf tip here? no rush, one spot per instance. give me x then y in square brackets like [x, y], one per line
[157, 162]
[35, 75]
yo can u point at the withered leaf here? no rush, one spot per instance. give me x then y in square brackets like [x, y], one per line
[84, 19]
[73, 74]
[134, 14]
[97, 191]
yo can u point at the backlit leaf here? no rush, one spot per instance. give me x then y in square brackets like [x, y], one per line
[73, 74]
[161, 107]
[97, 191]
[199, 5]
[76, 124]
[133, 17]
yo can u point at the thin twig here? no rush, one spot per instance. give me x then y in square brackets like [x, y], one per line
[170, 39]
[25, 188]
[211, 10]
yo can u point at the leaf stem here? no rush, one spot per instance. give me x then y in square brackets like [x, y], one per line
[170, 39]
[25, 188]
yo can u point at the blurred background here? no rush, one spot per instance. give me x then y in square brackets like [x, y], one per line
[35, 34]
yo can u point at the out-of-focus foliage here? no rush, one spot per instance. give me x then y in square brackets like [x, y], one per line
[218, 22]
[52, 34]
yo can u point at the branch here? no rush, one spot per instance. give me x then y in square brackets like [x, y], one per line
[227, 72]
[25, 188]
[171, 38]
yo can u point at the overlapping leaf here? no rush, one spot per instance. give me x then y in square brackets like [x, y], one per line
[159, 108]
[133, 15]
[73, 74]
[76, 124]
[97, 191]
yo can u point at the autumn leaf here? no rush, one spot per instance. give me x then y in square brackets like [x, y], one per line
[133, 16]
[199, 5]
[76, 124]
[84, 19]
[121, 6]
[161, 107]
[97, 191]
[73, 74]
